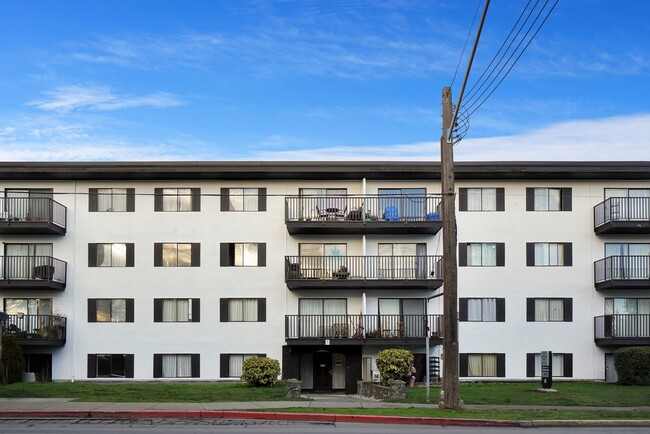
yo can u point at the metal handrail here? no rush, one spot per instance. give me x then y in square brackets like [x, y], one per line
[363, 208]
[622, 209]
[364, 267]
[43, 327]
[362, 326]
[632, 267]
[32, 268]
[32, 210]
[622, 326]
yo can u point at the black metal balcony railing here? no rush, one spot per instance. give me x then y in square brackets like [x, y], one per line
[363, 208]
[37, 329]
[32, 268]
[634, 267]
[363, 267]
[623, 327]
[362, 326]
[32, 209]
[622, 209]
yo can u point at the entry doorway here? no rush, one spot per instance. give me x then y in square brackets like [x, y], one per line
[322, 371]
[611, 376]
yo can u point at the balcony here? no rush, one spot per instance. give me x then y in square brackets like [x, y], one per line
[367, 214]
[622, 329]
[622, 215]
[37, 330]
[32, 272]
[362, 329]
[31, 216]
[622, 272]
[363, 272]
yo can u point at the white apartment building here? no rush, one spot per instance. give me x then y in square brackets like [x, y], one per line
[182, 270]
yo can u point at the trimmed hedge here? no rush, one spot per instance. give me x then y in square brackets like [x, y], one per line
[633, 366]
[260, 371]
[393, 364]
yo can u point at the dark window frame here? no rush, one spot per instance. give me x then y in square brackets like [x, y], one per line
[567, 254]
[567, 362]
[93, 365]
[195, 364]
[500, 254]
[227, 254]
[224, 363]
[224, 309]
[92, 255]
[567, 309]
[565, 199]
[226, 193]
[158, 253]
[195, 304]
[129, 313]
[463, 314]
[195, 199]
[93, 196]
[463, 195]
[463, 370]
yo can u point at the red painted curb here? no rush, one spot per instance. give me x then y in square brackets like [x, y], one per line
[225, 414]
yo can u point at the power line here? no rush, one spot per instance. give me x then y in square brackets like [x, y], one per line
[478, 3]
[516, 60]
[476, 102]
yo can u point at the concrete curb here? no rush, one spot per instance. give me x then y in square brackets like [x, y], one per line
[226, 414]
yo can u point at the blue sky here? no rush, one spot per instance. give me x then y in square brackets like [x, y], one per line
[137, 80]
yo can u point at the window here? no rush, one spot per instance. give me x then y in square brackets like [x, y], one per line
[243, 254]
[177, 199]
[549, 254]
[562, 365]
[176, 365]
[110, 310]
[481, 199]
[243, 199]
[323, 317]
[482, 309]
[110, 365]
[548, 199]
[322, 202]
[177, 254]
[403, 203]
[231, 364]
[321, 260]
[481, 254]
[549, 309]
[243, 309]
[402, 317]
[111, 199]
[29, 203]
[403, 261]
[26, 261]
[176, 310]
[28, 306]
[111, 254]
[482, 365]
[627, 306]
[627, 317]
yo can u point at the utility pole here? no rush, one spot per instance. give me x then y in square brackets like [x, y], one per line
[450, 383]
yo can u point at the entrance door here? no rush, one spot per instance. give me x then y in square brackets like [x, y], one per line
[322, 371]
[611, 376]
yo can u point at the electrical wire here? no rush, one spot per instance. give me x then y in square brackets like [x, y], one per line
[460, 59]
[516, 60]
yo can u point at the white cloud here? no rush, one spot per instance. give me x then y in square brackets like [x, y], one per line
[66, 98]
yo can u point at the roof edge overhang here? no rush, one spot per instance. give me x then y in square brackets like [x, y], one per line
[311, 170]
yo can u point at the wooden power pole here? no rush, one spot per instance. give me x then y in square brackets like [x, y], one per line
[450, 383]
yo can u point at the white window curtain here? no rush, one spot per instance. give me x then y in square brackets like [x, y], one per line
[111, 199]
[307, 370]
[242, 309]
[251, 199]
[489, 306]
[118, 257]
[474, 202]
[481, 365]
[556, 310]
[474, 309]
[489, 199]
[176, 365]
[184, 199]
[236, 363]
[176, 310]
[541, 199]
[542, 309]
[489, 254]
[236, 198]
[184, 255]
[246, 254]
[311, 320]
[170, 199]
[474, 254]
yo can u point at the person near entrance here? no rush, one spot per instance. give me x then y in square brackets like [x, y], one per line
[412, 380]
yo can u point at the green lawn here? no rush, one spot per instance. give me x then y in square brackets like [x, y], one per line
[145, 392]
[581, 393]
[572, 394]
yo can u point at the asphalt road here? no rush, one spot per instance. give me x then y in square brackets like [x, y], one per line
[224, 426]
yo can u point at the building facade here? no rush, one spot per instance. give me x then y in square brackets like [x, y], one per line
[183, 270]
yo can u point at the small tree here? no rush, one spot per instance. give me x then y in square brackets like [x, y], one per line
[260, 371]
[393, 364]
[12, 360]
[633, 365]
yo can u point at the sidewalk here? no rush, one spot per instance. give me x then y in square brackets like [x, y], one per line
[67, 408]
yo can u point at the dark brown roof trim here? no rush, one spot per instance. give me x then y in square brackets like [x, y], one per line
[323, 170]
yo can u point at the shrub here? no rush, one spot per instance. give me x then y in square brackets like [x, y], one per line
[260, 371]
[12, 360]
[633, 365]
[393, 364]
